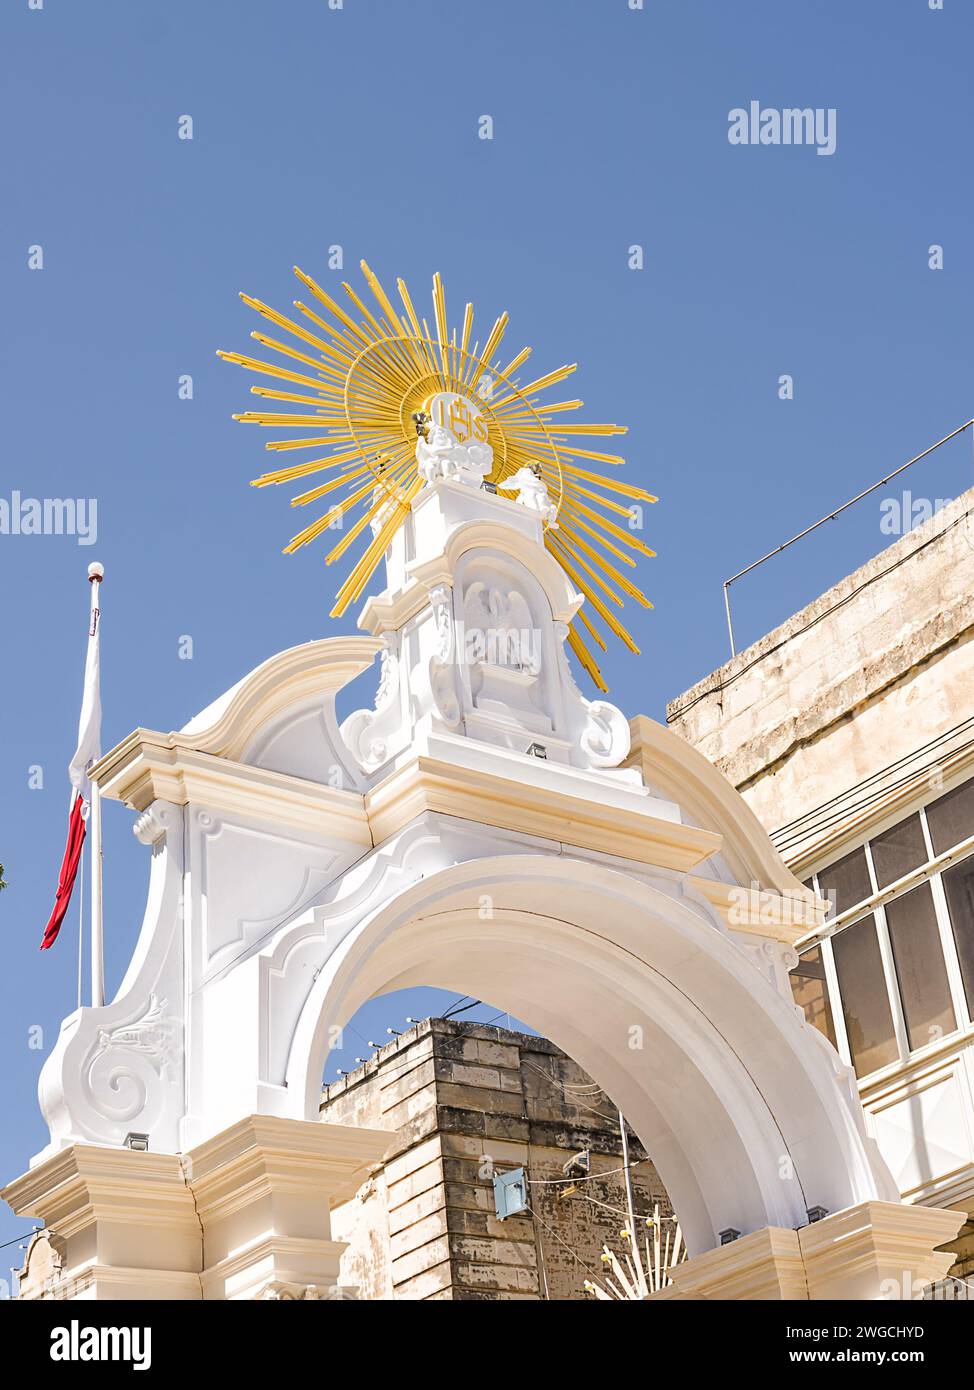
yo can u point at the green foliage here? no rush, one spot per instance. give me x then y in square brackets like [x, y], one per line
[2, 884]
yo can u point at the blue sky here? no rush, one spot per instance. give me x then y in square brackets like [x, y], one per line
[358, 127]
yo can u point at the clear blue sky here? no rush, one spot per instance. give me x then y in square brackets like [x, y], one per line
[359, 126]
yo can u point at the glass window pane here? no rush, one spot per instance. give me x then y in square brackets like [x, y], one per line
[847, 879]
[951, 818]
[811, 992]
[959, 887]
[865, 1005]
[898, 850]
[920, 969]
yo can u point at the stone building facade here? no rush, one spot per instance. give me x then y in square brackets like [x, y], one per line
[466, 1100]
[850, 732]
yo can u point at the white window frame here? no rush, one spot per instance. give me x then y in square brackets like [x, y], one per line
[963, 1011]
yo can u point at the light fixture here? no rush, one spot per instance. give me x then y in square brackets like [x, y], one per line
[138, 1142]
[537, 750]
[726, 1237]
[579, 1165]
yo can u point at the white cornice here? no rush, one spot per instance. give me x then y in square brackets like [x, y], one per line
[264, 1154]
[607, 824]
[679, 770]
[149, 766]
[315, 668]
[898, 802]
[777, 916]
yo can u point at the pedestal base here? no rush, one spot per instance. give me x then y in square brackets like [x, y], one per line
[878, 1250]
[244, 1215]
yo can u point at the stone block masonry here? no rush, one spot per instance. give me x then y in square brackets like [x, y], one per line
[464, 1100]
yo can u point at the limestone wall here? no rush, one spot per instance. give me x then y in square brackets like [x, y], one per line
[874, 669]
[463, 1099]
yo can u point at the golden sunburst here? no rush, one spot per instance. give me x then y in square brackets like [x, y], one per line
[370, 374]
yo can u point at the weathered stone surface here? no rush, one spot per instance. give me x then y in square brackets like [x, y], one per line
[880, 666]
[471, 1099]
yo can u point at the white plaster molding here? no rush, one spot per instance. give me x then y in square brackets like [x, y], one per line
[299, 870]
[320, 668]
[120, 1068]
[422, 936]
[671, 764]
[148, 766]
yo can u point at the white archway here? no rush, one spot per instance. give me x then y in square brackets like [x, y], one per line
[726, 1086]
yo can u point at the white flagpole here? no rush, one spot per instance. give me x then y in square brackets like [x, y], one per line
[81, 919]
[97, 935]
[96, 573]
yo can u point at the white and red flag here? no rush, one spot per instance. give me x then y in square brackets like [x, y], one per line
[88, 752]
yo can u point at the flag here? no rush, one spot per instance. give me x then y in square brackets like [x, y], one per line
[69, 870]
[87, 752]
[89, 725]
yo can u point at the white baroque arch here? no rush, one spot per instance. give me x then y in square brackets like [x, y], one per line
[728, 1092]
[475, 830]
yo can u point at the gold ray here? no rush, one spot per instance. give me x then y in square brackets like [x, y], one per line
[609, 617]
[552, 379]
[287, 324]
[368, 376]
[624, 584]
[616, 507]
[467, 326]
[516, 362]
[288, 396]
[626, 537]
[366, 566]
[322, 367]
[332, 306]
[586, 659]
[324, 488]
[482, 363]
[627, 489]
[261, 417]
[596, 635]
[616, 459]
[439, 312]
[254, 364]
[302, 470]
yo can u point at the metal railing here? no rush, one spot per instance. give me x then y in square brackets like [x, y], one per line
[830, 517]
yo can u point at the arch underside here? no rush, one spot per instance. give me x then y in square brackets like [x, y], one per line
[737, 1106]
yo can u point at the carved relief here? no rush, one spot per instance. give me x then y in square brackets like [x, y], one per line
[43, 1267]
[601, 729]
[369, 734]
[232, 910]
[442, 668]
[128, 1065]
[156, 821]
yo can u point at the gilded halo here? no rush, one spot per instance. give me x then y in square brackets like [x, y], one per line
[377, 378]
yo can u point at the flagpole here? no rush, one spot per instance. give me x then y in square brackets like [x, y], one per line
[96, 573]
[81, 920]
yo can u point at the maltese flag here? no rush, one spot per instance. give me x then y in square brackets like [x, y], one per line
[88, 752]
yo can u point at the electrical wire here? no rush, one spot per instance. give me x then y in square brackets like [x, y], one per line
[561, 1182]
[720, 685]
[552, 1231]
[17, 1239]
[574, 1099]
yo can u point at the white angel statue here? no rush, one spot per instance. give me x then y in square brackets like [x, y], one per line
[533, 492]
[439, 454]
